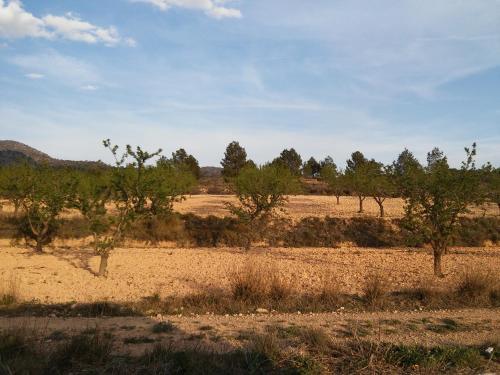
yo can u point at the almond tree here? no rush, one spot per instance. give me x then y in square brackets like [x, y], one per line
[381, 185]
[261, 191]
[45, 193]
[437, 195]
[137, 191]
[333, 177]
[357, 176]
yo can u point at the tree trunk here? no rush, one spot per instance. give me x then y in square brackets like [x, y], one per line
[438, 253]
[39, 245]
[103, 266]
[380, 203]
[361, 199]
[338, 200]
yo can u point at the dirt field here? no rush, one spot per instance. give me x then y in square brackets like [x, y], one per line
[298, 207]
[67, 275]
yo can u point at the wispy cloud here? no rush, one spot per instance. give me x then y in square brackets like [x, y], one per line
[89, 88]
[16, 22]
[64, 69]
[212, 8]
[34, 76]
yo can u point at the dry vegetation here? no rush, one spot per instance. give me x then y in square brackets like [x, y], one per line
[270, 309]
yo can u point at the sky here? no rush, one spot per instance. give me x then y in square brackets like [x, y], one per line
[326, 77]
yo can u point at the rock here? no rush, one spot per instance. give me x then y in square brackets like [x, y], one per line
[261, 310]
[159, 316]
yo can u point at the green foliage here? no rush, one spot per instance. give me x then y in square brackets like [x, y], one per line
[44, 194]
[291, 160]
[436, 195]
[13, 180]
[185, 162]
[311, 168]
[360, 177]
[137, 190]
[262, 190]
[235, 158]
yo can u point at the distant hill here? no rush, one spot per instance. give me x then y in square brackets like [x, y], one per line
[14, 152]
[210, 172]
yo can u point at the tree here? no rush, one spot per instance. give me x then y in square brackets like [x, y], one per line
[327, 163]
[235, 158]
[167, 182]
[437, 195]
[357, 176]
[333, 177]
[44, 193]
[130, 192]
[182, 160]
[291, 160]
[93, 194]
[261, 191]
[381, 185]
[490, 184]
[13, 179]
[311, 168]
[403, 169]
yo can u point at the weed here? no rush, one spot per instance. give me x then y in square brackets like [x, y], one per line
[163, 327]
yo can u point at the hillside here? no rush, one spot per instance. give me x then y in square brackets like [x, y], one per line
[13, 152]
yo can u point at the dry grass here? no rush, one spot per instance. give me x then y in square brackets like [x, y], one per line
[331, 292]
[10, 290]
[477, 285]
[375, 290]
[257, 283]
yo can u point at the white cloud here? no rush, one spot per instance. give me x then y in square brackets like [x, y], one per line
[212, 8]
[89, 88]
[34, 76]
[66, 69]
[16, 22]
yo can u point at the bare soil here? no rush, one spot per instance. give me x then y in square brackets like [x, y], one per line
[68, 274]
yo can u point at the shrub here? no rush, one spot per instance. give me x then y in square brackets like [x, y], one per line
[163, 327]
[249, 284]
[9, 291]
[316, 232]
[330, 291]
[476, 285]
[82, 350]
[280, 288]
[375, 290]
[370, 232]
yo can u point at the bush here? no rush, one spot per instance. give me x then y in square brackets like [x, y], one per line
[213, 231]
[9, 291]
[330, 291]
[316, 232]
[375, 290]
[371, 232]
[81, 350]
[249, 284]
[476, 286]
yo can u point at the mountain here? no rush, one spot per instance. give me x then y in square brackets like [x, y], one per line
[13, 152]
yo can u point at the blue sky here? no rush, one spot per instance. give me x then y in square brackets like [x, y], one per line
[327, 77]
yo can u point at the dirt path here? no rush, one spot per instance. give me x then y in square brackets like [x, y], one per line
[224, 333]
